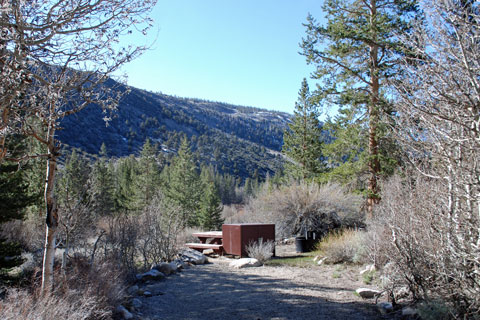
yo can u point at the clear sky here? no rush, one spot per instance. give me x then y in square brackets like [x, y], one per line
[241, 52]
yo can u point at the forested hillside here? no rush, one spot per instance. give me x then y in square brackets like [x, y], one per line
[236, 140]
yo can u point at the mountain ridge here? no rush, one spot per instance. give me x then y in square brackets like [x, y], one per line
[239, 140]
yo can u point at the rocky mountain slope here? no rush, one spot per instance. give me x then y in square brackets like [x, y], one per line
[235, 139]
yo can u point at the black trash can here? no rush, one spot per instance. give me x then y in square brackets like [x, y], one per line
[300, 244]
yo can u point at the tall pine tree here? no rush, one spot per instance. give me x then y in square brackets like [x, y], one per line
[182, 185]
[102, 185]
[148, 179]
[355, 53]
[302, 140]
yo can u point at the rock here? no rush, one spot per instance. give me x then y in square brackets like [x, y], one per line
[166, 268]
[150, 275]
[132, 290]
[208, 252]
[123, 312]
[180, 264]
[245, 263]
[193, 256]
[136, 304]
[368, 268]
[367, 293]
[147, 294]
[322, 261]
[385, 307]
[409, 312]
[174, 266]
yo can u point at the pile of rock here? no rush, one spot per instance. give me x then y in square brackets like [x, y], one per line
[147, 283]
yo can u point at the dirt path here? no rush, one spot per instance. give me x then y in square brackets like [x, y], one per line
[216, 291]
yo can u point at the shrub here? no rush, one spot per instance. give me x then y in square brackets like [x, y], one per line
[301, 207]
[344, 246]
[73, 305]
[261, 250]
[428, 249]
[146, 238]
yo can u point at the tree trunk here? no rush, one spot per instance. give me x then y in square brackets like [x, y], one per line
[373, 161]
[52, 210]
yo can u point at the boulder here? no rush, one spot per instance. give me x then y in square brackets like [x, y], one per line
[245, 263]
[123, 312]
[132, 290]
[136, 304]
[150, 275]
[180, 264]
[193, 256]
[367, 293]
[166, 268]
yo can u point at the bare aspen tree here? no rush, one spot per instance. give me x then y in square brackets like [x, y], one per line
[439, 127]
[63, 50]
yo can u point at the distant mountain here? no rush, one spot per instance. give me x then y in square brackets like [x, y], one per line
[242, 141]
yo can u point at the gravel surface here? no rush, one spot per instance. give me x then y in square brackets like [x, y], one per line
[217, 291]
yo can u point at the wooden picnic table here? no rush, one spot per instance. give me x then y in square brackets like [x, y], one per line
[215, 242]
[215, 236]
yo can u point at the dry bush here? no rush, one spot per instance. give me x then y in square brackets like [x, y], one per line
[299, 207]
[29, 233]
[105, 280]
[234, 214]
[160, 225]
[261, 250]
[75, 305]
[145, 238]
[344, 246]
[423, 244]
[185, 236]
[83, 291]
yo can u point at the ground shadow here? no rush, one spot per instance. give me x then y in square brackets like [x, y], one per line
[207, 292]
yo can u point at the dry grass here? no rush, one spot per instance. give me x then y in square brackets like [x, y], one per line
[261, 250]
[344, 246]
[83, 292]
[76, 305]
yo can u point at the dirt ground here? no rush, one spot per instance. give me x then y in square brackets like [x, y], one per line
[217, 291]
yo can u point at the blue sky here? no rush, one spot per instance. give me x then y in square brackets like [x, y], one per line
[241, 52]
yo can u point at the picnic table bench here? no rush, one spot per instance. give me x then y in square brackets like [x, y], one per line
[215, 242]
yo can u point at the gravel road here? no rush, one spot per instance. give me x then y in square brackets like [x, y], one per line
[217, 291]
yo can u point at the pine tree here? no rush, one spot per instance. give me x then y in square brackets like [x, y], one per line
[182, 185]
[355, 53]
[14, 198]
[148, 179]
[210, 213]
[73, 181]
[102, 185]
[302, 140]
[125, 176]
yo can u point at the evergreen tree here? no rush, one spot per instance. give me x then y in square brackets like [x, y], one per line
[355, 53]
[14, 198]
[302, 139]
[182, 184]
[102, 185]
[210, 213]
[148, 179]
[125, 176]
[73, 181]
